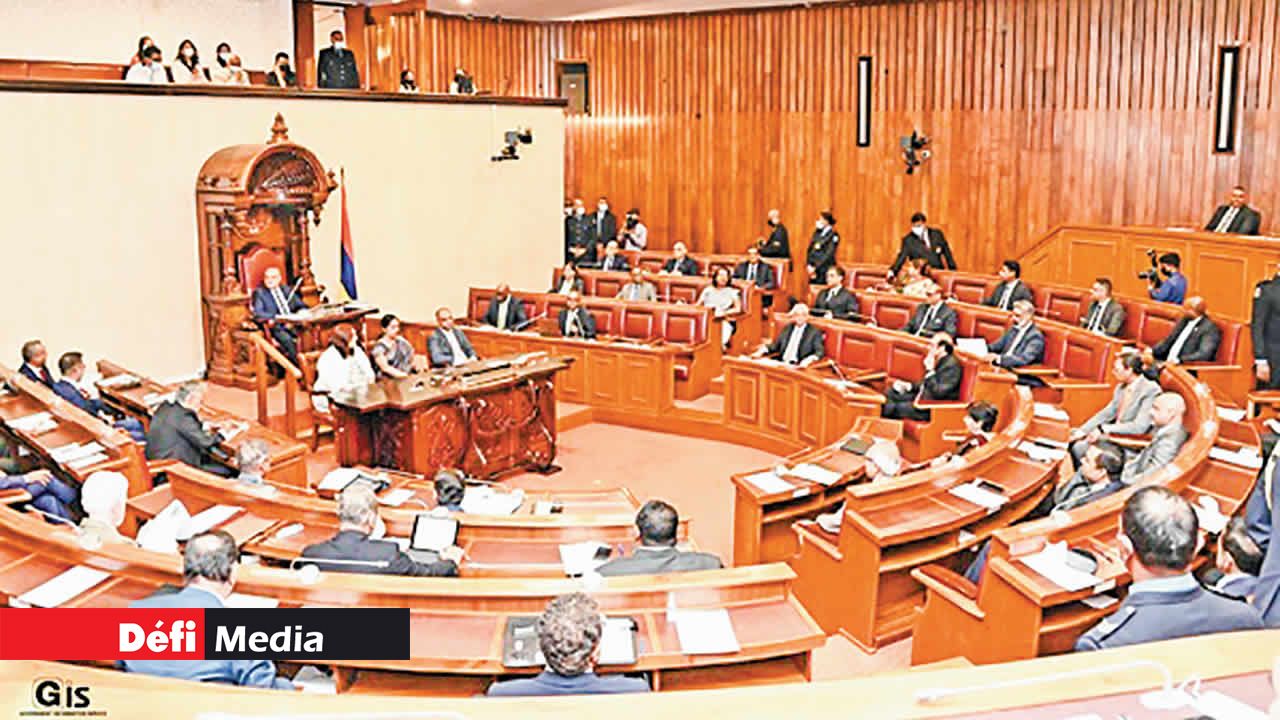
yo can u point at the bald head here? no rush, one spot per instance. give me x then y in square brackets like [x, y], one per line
[1168, 409]
[1196, 306]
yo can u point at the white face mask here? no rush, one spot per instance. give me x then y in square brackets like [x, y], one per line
[188, 53]
[223, 56]
[919, 230]
[818, 224]
[580, 211]
[338, 44]
[602, 208]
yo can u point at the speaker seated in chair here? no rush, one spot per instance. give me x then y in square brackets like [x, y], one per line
[270, 298]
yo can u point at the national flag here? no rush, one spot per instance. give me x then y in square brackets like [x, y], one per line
[346, 251]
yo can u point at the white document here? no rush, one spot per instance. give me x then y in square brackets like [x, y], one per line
[161, 533]
[769, 482]
[1100, 601]
[229, 433]
[212, 517]
[973, 346]
[311, 680]
[62, 587]
[154, 399]
[34, 424]
[706, 632]
[617, 642]
[1051, 562]
[87, 461]
[242, 600]
[338, 478]
[580, 558]
[979, 496]
[1241, 458]
[1231, 414]
[484, 500]
[1216, 704]
[546, 507]
[1041, 453]
[815, 473]
[1051, 412]
[73, 451]
[118, 380]
[395, 498]
[433, 533]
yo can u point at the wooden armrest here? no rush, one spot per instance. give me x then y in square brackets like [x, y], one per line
[941, 405]
[156, 466]
[1215, 367]
[952, 586]
[1132, 442]
[13, 496]
[868, 376]
[1037, 370]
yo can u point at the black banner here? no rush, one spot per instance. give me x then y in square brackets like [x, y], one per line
[307, 634]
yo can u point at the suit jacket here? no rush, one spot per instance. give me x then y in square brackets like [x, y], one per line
[1201, 345]
[264, 306]
[812, 343]
[937, 254]
[1161, 451]
[44, 377]
[1146, 616]
[1246, 222]
[618, 263]
[659, 562]
[65, 390]
[579, 232]
[687, 266]
[778, 244]
[843, 306]
[1020, 292]
[1136, 419]
[943, 383]
[440, 350]
[515, 319]
[248, 673]
[1112, 318]
[764, 274]
[644, 291]
[1029, 351]
[606, 228]
[549, 683]
[1264, 326]
[586, 321]
[337, 69]
[176, 433]
[944, 320]
[577, 285]
[822, 252]
[354, 545]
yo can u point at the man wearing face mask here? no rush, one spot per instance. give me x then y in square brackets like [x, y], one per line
[604, 223]
[924, 242]
[822, 248]
[337, 65]
[579, 236]
[282, 74]
[635, 236]
[778, 245]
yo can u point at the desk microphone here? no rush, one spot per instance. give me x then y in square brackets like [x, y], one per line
[1166, 698]
[520, 326]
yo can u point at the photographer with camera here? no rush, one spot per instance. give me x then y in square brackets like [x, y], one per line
[1165, 282]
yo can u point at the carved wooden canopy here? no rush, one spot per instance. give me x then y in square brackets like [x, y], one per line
[277, 172]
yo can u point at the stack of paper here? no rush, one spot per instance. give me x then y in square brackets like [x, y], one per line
[395, 498]
[87, 461]
[34, 424]
[979, 496]
[580, 558]
[154, 399]
[1051, 562]
[484, 500]
[705, 632]
[74, 451]
[338, 479]
[118, 380]
[1230, 414]
[1040, 453]
[229, 432]
[815, 473]
[973, 346]
[1051, 412]
[211, 518]
[62, 587]
[769, 482]
[1244, 457]
[161, 533]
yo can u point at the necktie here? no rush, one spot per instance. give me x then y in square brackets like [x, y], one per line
[924, 324]
[1017, 339]
[571, 327]
[751, 272]
[831, 295]
[1097, 316]
[1008, 293]
[281, 304]
[1227, 218]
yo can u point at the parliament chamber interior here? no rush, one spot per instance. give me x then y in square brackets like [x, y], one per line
[740, 358]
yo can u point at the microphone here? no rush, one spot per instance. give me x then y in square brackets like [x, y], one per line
[529, 321]
[1166, 698]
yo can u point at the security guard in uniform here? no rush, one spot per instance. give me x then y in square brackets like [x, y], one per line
[1265, 326]
[1158, 538]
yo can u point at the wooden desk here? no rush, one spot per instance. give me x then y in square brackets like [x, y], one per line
[288, 456]
[1013, 612]
[73, 426]
[458, 622]
[487, 418]
[314, 325]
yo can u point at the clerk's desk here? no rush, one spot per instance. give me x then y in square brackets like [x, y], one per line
[887, 695]
[457, 623]
[314, 325]
[487, 417]
[1015, 613]
[288, 455]
[522, 545]
[27, 397]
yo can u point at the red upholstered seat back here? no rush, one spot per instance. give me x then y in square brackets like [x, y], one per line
[906, 361]
[554, 304]
[652, 263]
[1150, 322]
[890, 311]
[863, 277]
[1232, 334]
[254, 263]
[680, 290]
[969, 378]
[1083, 357]
[608, 317]
[687, 325]
[987, 327]
[1063, 304]
[641, 321]
[966, 288]
[781, 273]
[478, 300]
[850, 349]
[608, 284]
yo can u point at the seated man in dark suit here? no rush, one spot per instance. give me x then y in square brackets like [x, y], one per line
[271, 300]
[35, 359]
[48, 494]
[1022, 344]
[680, 263]
[69, 388]
[209, 565]
[755, 270]
[614, 261]
[1236, 216]
[448, 345]
[932, 316]
[657, 554]
[177, 433]
[835, 300]
[506, 312]
[356, 552]
[575, 320]
[1194, 339]
[799, 343]
[1105, 316]
[1159, 537]
[941, 381]
[1010, 289]
[569, 633]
